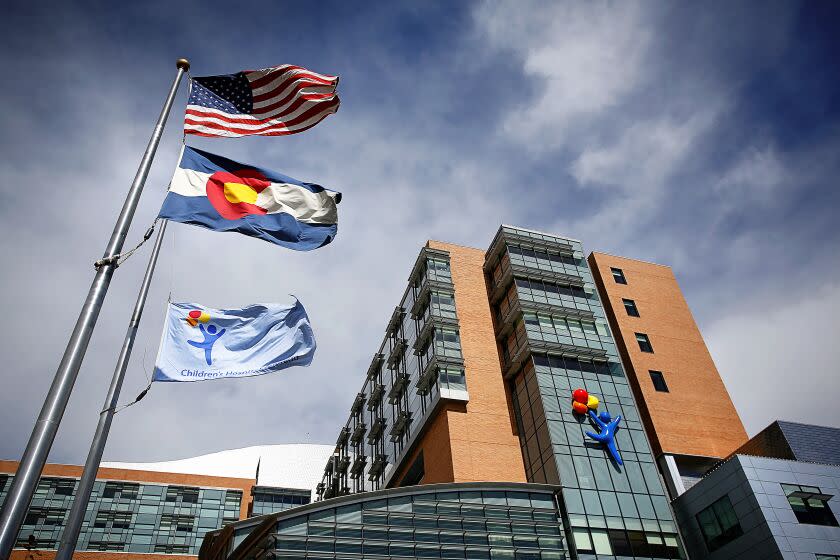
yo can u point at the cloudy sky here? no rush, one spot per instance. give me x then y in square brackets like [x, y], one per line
[705, 139]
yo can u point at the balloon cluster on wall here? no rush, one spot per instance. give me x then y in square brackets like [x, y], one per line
[582, 402]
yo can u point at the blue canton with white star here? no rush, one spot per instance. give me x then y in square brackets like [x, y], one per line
[229, 94]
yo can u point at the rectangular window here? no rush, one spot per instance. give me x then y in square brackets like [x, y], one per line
[719, 524]
[630, 307]
[644, 343]
[658, 381]
[809, 505]
[618, 275]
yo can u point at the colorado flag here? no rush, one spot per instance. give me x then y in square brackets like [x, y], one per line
[220, 194]
[201, 343]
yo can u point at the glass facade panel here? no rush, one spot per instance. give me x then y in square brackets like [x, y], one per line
[421, 523]
[555, 339]
[418, 363]
[128, 516]
[269, 500]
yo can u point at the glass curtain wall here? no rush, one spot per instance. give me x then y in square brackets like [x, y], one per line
[554, 339]
[468, 521]
[418, 363]
[128, 516]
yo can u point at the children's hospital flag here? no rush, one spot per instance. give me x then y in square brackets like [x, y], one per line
[220, 194]
[203, 343]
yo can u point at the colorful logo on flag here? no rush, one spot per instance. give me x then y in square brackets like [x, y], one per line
[211, 334]
[195, 317]
[234, 195]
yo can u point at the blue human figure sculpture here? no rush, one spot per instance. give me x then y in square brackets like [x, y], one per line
[210, 338]
[608, 427]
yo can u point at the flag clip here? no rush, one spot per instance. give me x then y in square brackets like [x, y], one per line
[107, 261]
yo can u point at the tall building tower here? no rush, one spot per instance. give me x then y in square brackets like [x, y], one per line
[690, 419]
[473, 383]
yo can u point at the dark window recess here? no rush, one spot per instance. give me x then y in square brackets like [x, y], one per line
[630, 307]
[809, 505]
[658, 381]
[644, 343]
[618, 275]
[121, 491]
[415, 472]
[719, 524]
[64, 487]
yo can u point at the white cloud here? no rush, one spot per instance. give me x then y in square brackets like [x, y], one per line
[780, 362]
[756, 177]
[584, 59]
[636, 170]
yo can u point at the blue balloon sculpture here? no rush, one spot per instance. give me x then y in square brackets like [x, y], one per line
[607, 427]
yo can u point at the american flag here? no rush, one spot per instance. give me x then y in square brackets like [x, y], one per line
[270, 102]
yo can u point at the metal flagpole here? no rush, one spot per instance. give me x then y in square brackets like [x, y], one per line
[40, 441]
[70, 536]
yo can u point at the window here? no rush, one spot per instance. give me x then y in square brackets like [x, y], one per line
[63, 487]
[630, 307]
[658, 381]
[644, 343]
[117, 520]
[809, 505]
[172, 548]
[120, 491]
[618, 275]
[415, 472]
[184, 494]
[619, 542]
[719, 524]
[104, 545]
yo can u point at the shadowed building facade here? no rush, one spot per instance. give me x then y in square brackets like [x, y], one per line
[777, 498]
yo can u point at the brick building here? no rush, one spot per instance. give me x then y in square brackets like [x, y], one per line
[473, 384]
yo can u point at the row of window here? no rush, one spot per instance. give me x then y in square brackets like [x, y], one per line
[548, 537]
[573, 364]
[566, 325]
[625, 543]
[128, 516]
[355, 549]
[548, 289]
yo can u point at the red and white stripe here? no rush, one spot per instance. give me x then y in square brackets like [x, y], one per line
[287, 99]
